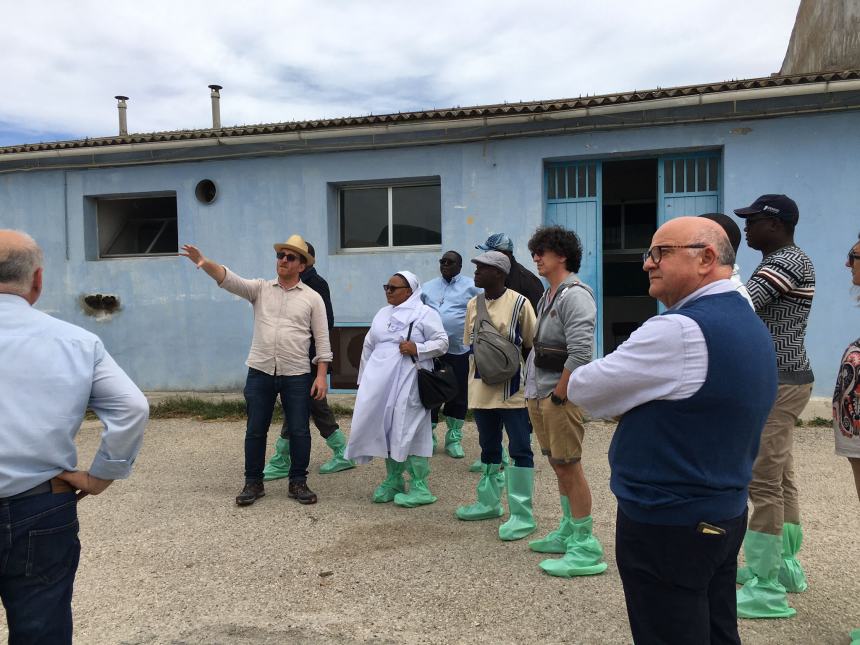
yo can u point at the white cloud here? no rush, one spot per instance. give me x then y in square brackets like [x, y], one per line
[280, 61]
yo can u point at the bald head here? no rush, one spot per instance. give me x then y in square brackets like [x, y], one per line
[20, 265]
[707, 257]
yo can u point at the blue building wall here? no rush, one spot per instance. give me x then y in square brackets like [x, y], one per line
[177, 330]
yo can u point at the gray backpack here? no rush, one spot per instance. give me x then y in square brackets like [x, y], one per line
[497, 358]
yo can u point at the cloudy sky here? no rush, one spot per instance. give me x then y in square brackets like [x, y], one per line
[285, 60]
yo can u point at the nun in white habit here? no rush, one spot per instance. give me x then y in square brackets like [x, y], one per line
[389, 420]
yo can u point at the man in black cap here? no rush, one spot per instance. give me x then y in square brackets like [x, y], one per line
[781, 288]
[519, 279]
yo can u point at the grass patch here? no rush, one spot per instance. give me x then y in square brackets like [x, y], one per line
[819, 422]
[186, 407]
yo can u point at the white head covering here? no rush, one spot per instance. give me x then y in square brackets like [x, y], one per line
[408, 311]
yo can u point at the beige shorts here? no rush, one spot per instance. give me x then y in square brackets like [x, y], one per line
[559, 429]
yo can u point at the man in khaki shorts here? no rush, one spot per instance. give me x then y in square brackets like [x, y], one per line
[564, 341]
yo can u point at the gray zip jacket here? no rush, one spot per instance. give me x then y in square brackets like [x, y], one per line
[569, 321]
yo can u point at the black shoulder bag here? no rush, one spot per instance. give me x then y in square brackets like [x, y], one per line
[435, 387]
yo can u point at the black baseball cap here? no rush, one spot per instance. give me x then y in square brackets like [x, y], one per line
[780, 206]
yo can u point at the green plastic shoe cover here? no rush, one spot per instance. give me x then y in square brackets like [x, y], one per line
[556, 541]
[337, 443]
[791, 574]
[489, 503]
[584, 555]
[477, 466]
[392, 484]
[763, 596]
[520, 485]
[855, 636]
[279, 465]
[744, 575]
[453, 438]
[419, 494]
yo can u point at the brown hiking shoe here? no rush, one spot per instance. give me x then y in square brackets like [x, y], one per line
[250, 494]
[300, 492]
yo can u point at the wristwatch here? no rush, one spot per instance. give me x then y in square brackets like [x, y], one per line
[556, 400]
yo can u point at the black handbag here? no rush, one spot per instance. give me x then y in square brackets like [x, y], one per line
[438, 386]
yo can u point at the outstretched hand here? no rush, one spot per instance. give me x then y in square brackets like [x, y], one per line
[193, 253]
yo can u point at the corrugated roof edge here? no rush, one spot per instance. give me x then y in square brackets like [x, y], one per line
[500, 109]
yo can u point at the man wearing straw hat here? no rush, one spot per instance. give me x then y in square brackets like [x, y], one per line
[287, 315]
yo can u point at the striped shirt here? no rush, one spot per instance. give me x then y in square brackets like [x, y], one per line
[782, 288]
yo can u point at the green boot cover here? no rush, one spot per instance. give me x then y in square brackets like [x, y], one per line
[520, 485]
[419, 494]
[763, 596]
[453, 438]
[556, 541]
[337, 443]
[791, 574]
[489, 503]
[477, 466]
[584, 554]
[279, 465]
[855, 636]
[433, 434]
[744, 574]
[506, 457]
[393, 483]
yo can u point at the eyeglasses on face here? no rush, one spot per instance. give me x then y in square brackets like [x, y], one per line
[538, 253]
[289, 257]
[852, 256]
[656, 252]
[389, 288]
[447, 261]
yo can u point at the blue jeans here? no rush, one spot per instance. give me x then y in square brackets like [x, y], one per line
[261, 390]
[39, 554]
[516, 422]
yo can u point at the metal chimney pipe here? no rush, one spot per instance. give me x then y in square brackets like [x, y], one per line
[216, 106]
[121, 108]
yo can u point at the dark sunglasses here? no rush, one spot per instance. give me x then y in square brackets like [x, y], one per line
[447, 261]
[656, 252]
[289, 257]
[391, 287]
[852, 256]
[538, 253]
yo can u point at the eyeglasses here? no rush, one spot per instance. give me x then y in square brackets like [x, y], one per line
[289, 257]
[852, 256]
[447, 261]
[390, 287]
[656, 252]
[538, 253]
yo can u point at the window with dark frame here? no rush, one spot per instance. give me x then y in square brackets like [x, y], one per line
[393, 216]
[141, 225]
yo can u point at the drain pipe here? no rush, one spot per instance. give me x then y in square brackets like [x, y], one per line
[121, 108]
[216, 106]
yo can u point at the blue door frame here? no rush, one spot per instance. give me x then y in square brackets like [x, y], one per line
[687, 184]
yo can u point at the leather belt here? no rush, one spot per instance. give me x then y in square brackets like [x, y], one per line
[55, 485]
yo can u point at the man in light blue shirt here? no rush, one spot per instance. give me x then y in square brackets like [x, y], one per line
[50, 373]
[449, 294]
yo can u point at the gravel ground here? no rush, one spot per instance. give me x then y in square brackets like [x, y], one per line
[168, 557]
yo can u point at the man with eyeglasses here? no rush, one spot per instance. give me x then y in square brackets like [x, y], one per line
[781, 288]
[279, 465]
[287, 315]
[691, 416]
[448, 295]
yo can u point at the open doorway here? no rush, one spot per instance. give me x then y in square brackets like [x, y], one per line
[629, 221]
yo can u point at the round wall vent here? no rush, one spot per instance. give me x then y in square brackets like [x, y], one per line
[206, 191]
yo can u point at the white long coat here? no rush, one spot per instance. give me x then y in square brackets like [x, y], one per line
[389, 419]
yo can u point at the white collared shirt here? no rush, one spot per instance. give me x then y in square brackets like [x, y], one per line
[665, 359]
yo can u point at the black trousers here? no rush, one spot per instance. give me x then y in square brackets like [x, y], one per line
[323, 417]
[679, 583]
[456, 407]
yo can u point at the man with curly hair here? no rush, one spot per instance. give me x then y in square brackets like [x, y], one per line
[564, 341]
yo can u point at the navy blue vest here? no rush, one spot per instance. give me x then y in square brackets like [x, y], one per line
[683, 462]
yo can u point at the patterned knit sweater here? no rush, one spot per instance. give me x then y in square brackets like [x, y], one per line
[782, 288]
